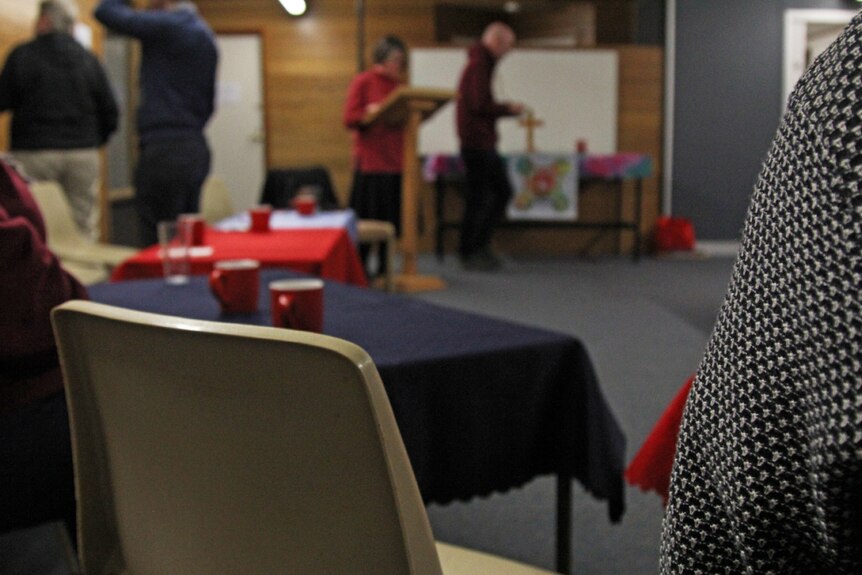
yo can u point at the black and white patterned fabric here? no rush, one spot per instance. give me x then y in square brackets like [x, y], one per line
[768, 471]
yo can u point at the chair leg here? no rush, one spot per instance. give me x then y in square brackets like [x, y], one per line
[388, 247]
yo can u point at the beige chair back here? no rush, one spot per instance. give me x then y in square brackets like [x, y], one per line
[203, 447]
[381, 234]
[87, 260]
[59, 223]
[216, 203]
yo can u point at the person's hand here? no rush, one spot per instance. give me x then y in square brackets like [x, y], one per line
[516, 108]
[371, 108]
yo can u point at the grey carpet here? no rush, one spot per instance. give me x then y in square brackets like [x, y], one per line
[645, 326]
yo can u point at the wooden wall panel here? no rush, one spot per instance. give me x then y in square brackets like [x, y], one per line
[641, 101]
[576, 21]
[615, 21]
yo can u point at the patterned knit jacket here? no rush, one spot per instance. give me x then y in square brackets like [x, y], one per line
[768, 471]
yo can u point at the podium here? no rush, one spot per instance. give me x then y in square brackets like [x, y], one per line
[408, 107]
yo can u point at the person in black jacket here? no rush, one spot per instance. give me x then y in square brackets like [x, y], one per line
[767, 477]
[62, 108]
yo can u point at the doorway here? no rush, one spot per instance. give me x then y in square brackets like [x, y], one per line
[236, 132]
[806, 34]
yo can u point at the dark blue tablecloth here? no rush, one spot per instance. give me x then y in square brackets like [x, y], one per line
[483, 405]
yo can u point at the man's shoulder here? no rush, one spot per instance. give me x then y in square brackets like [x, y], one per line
[22, 49]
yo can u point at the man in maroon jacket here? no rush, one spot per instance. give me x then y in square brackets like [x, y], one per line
[36, 478]
[488, 187]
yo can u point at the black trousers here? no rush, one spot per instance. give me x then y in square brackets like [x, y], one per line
[488, 192]
[168, 182]
[36, 476]
[376, 196]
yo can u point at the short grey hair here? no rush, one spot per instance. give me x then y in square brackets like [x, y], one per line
[60, 14]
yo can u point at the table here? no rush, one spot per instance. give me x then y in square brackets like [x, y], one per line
[328, 253]
[448, 171]
[483, 405]
[293, 220]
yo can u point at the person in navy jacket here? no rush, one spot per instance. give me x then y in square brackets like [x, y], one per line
[177, 78]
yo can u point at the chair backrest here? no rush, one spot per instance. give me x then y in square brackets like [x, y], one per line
[282, 184]
[216, 203]
[203, 447]
[59, 225]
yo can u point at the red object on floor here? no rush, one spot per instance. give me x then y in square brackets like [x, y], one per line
[651, 467]
[674, 234]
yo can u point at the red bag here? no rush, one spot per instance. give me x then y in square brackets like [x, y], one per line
[674, 234]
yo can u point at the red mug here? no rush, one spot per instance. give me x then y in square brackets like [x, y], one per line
[306, 205]
[193, 225]
[297, 304]
[236, 285]
[260, 218]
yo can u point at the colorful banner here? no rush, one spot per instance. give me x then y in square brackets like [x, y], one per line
[545, 186]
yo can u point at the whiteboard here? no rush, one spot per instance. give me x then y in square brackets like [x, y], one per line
[573, 91]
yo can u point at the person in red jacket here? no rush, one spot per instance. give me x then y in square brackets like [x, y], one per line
[377, 149]
[36, 476]
[488, 186]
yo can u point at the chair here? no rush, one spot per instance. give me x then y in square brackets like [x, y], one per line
[382, 234]
[64, 239]
[206, 462]
[216, 203]
[282, 185]
[87, 274]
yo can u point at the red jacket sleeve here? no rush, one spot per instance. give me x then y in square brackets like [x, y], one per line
[356, 102]
[33, 281]
[475, 91]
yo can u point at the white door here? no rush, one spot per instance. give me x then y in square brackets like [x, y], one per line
[806, 33]
[236, 131]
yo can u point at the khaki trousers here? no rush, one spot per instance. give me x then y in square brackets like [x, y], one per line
[77, 172]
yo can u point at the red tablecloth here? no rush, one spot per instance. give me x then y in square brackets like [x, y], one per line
[651, 467]
[327, 253]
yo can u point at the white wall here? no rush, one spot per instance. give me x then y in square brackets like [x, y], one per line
[573, 91]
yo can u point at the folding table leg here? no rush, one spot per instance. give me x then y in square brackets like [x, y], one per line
[564, 522]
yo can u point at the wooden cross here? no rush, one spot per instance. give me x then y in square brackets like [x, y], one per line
[531, 123]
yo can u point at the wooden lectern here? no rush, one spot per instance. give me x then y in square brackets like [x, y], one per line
[409, 107]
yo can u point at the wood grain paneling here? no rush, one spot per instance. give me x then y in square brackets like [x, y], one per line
[576, 21]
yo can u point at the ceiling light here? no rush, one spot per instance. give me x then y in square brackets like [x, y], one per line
[511, 6]
[294, 7]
